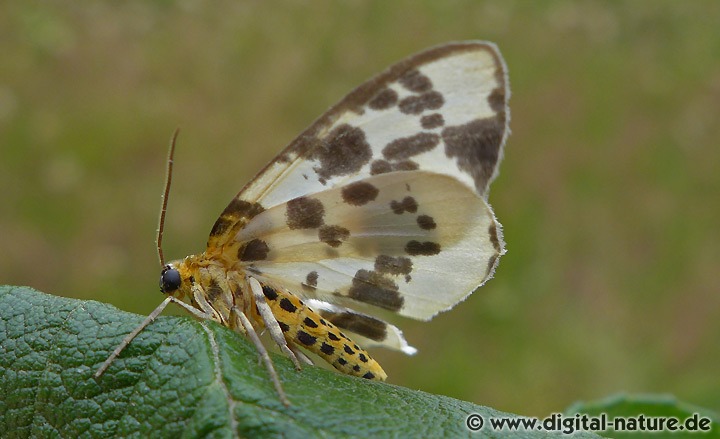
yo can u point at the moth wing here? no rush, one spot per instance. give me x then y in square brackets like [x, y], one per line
[367, 330]
[411, 242]
[443, 111]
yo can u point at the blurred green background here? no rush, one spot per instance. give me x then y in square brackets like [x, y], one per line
[609, 192]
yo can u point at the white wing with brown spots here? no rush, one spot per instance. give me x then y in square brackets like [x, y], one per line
[381, 203]
[412, 242]
[366, 330]
[443, 110]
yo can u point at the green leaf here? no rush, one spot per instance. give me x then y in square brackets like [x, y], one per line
[186, 377]
[651, 406]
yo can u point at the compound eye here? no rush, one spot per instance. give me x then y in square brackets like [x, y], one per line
[170, 279]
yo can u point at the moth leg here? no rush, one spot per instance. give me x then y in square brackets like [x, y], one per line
[271, 322]
[207, 312]
[128, 338]
[148, 320]
[300, 354]
[210, 313]
[250, 331]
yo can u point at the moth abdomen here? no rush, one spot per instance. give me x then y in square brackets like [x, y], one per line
[306, 328]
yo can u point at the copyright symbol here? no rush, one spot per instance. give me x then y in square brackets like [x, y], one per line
[474, 422]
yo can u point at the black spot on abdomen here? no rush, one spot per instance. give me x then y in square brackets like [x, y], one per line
[327, 349]
[269, 293]
[305, 338]
[287, 305]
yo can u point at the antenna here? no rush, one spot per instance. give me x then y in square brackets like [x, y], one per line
[161, 224]
[163, 205]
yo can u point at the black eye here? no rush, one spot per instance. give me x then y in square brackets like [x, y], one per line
[170, 279]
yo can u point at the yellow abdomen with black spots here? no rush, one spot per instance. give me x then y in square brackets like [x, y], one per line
[304, 327]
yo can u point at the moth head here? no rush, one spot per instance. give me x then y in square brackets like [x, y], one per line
[170, 279]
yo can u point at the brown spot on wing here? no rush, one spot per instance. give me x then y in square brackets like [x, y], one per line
[364, 325]
[431, 100]
[476, 148]
[405, 165]
[305, 213]
[491, 264]
[311, 279]
[380, 167]
[492, 231]
[426, 222]
[417, 248]
[385, 99]
[359, 193]
[243, 209]
[408, 204]
[221, 226]
[234, 212]
[497, 101]
[383, 166]
[375, 289]
[344, 151]
[393, 265]
[407, 147]
[255, 250]
[333, 235]
[415, 81]
[431, 121]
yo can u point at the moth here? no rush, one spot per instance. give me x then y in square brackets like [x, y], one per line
[380, 205]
